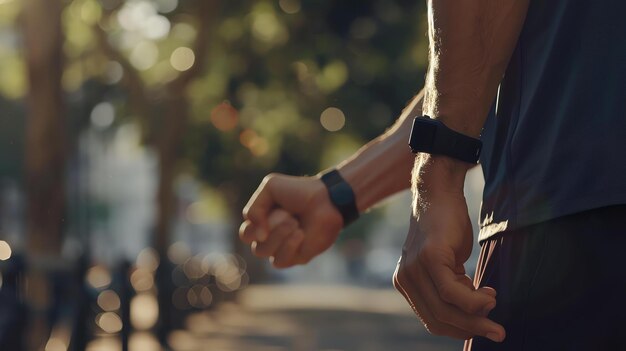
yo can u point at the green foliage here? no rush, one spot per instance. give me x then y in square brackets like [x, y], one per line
[278, 64]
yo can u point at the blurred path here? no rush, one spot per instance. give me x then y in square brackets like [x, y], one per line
[310, 318]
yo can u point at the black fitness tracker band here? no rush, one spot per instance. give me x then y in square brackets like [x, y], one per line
[341, 195]
[431, 136]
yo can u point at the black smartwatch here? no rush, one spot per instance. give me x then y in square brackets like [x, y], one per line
[341, 195]
[431, 136]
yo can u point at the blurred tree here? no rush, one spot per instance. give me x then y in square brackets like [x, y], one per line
[45, 153]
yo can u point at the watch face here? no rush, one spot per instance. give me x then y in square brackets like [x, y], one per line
[341, 194]
[423, 134]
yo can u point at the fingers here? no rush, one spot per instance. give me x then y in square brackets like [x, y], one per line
[454, 288]
[281, 225]
[287, 253]
[283, 243]
[475, 324]
[443, 297]
[440, 317]
[246, 232]
[402, 283]
[257, 209]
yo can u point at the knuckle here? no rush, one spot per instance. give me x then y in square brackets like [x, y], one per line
[269, 179]
[471, 307]
[446, 293]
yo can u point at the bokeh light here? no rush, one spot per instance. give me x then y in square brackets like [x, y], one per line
[224, 116]
[199, 296]
[198, 212]
[144, 311]
[182, 58]
[5, 250]
[59, 338]
[178, 252]
[109, 322]
[166, 6]
[181, 340]
[193, 268]
[55, 344]
[142, 280]
[148, 259]
[290, 6]
[140, 17]
[332, 119]
[102, 115]
[143, 341]
[109, 301]
[268, 29]
[98, 277]
[144, 55]
[332, 77]
[113, 72]
[105, 343]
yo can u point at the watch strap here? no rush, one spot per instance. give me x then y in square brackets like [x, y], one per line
[432, 136]
[341, 195]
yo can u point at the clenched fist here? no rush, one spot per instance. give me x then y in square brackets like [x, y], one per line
[290, 220]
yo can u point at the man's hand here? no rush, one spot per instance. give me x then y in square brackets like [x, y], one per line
[290, 220]
[430, 274]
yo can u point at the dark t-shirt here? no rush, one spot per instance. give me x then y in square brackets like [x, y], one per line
[556, 144]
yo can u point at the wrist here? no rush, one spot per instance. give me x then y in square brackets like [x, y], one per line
[440, 172]
[341, 195]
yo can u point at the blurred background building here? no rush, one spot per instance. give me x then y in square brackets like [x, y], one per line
[132, 132]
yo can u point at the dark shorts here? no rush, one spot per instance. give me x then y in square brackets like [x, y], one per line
[561, 284]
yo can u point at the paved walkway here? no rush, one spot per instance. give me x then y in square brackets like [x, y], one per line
[301, 318]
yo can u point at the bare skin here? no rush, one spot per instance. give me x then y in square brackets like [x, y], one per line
[471, 43]
[379, 169]
[291, 220]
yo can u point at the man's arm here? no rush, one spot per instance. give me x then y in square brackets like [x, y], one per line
[380, 168]
[470, 45]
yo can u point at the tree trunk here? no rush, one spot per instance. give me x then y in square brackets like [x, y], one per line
[45, 152]
[168, 147]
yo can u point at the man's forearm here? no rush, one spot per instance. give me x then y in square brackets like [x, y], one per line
[471, 43]
[383, 166]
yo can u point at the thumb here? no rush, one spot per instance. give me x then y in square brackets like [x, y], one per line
[259, 206]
